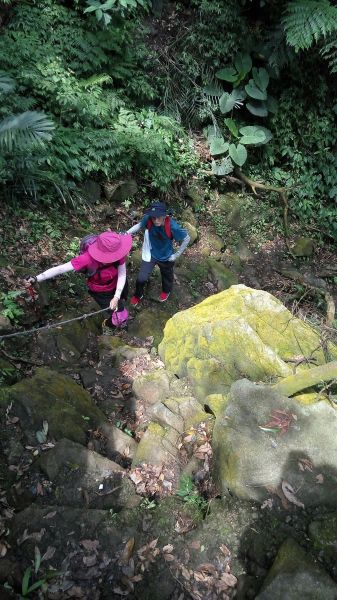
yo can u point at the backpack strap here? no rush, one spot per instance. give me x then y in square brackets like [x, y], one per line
[167, 226]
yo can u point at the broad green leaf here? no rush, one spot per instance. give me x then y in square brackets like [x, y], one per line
[25, 581]
[252, 135]
[211, 132]
[218, 146]
[261, 78]
[228, 101]
[227, 74]
[243, 63]
[99, 14]
[268, 136]
[238, 154]
[254, 92]
[232, 126]
[37, 560]
[259, 109]
[222, 167]
[272, 104]
[41, 437]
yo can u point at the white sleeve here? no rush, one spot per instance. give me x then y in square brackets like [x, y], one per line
[55, 271]
[121, 280]
[135, 228]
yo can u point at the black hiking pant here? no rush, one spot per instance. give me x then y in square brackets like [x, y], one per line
[146, 268]
[103, 299]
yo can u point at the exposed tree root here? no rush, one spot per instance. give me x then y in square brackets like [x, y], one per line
[306, 379]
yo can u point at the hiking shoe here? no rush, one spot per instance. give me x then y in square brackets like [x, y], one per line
[135, 300]
[163, 296]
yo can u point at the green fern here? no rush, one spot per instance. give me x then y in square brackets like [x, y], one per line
[27, 128]
[329, 52]
[306, 21]
[6, 83]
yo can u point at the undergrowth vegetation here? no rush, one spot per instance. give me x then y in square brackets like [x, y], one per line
[105, 90]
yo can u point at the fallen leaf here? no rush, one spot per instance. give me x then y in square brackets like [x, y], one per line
[127, 551]
[305, 464]
[207, 567]
[168, 548]
[225, 551]
[289, 493]
[50, 515]
[195, 545]
[169, 557]
[90, 561]
[3, 549]
[49, 553]
[319, 478]
[90, 545]
[39, 489]
[229, 579]
[267, 503]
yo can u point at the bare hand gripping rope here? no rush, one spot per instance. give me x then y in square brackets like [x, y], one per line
[52, 325]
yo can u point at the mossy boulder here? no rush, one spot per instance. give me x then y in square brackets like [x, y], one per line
[223, 277]
[192, 231]
[158, 446]
[252, 455]
[150, 321]
[114, 350]
[118, 191]
[68, 342]
[179, 413]
[188, 216]
[152, 387]
[295, 576]
[303, 247]
[323, 535]
[239, 332]
[57, 399]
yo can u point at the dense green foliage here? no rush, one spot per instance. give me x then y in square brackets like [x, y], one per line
[88, 78]
[257, 77]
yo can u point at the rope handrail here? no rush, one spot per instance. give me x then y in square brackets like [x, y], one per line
[51, 325]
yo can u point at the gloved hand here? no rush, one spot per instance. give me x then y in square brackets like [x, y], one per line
[172, 258]
[28, 281]
[114, 304]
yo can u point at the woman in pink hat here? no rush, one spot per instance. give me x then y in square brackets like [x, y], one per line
[102, 259]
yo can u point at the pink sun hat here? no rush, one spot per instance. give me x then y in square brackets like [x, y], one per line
[110, 246]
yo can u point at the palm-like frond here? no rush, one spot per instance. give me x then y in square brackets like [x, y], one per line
[95, 80]
[24, 129]
[306, 21]
[6, 83]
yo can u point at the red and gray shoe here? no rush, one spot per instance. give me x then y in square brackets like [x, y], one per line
[163, 296]
[135, 300]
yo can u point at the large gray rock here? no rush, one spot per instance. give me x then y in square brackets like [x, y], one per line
[253, 457]
[119, 191]
[82, 477]
[295, 576]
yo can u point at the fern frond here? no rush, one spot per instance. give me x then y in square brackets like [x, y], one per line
[306, 21]
[30, 127]
[329, 52]
[6, 83]
[95, 80]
